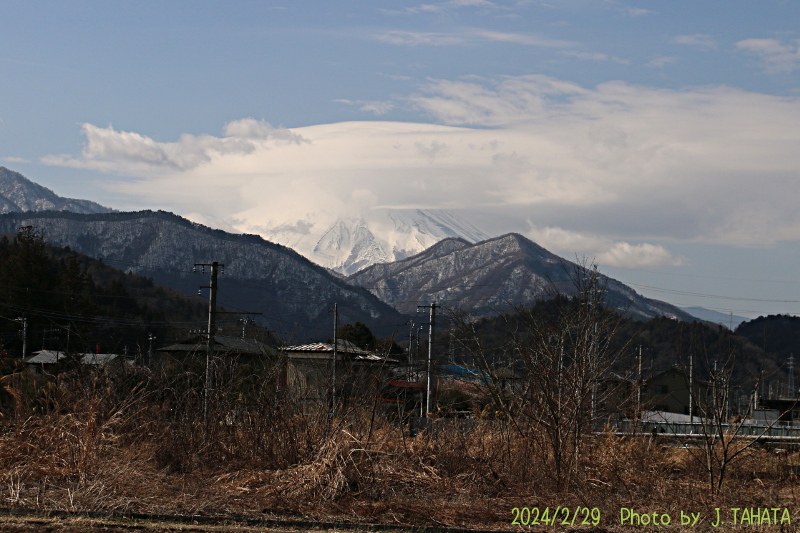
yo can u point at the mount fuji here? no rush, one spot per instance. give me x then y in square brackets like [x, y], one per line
[380, 235]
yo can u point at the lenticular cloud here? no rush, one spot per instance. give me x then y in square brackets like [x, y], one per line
[634, 168]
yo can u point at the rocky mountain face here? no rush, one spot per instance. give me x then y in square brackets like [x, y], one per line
[294, 295]
[489, 276]
[18, 193]
[377, 236]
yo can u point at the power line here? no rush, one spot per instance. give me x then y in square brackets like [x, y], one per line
[717, 296]
[685, 275]
[342, 285]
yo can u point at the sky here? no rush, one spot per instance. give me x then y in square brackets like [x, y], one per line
[660, 139]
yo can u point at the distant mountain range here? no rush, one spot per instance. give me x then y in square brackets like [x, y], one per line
[296, 295]
[728, 320]
[18, 193]
[377, 236]
[489, 276]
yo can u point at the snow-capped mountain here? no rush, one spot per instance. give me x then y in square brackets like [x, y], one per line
[18, 193]
[490, 276]
[348, 245]
[294, 295]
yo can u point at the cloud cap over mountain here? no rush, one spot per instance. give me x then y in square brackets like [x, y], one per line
[624, 169]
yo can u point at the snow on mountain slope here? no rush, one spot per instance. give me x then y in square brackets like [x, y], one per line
[489, 276]
[347, 245]
[294, 295]
[18, 193]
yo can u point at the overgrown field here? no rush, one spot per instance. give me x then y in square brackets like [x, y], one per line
[137, 440]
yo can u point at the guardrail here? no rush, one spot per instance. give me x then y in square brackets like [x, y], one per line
[668, 428]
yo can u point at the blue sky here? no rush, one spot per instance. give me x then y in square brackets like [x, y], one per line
[662, 138]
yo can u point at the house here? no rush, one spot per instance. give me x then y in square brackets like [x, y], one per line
[223, 345]
[309, 371]
[785, 411]
[46, 361]
[669, 391]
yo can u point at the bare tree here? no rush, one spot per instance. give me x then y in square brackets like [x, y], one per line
[724, 439]
[561, 350]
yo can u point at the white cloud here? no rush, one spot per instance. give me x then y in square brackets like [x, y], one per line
[637, 11]
[109, 150]
[699, 40]
[519, 38]
[778, 57]
[644, 255]
[369, 106]
[12, 159]
[585, 55]
[431, 150]
[594, 56]
[661, 61]
[470, 3]
[603, 250]
[633, 169]
[505, 102]
[415, 38]
[443, 6]
[250, 128]
[467, 36]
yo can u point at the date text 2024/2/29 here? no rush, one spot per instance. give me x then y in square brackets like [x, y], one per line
[565, 516]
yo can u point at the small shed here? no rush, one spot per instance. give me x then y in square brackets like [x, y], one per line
[45, 361]
[309, 370]
[669, 391]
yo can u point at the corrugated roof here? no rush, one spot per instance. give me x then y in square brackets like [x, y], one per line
[98, 358]
[51, 357]
[342, 347]
[46, 357]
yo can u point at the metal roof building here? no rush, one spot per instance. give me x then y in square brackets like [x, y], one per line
[48, 358]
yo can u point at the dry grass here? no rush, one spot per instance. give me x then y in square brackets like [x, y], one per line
[132, 442]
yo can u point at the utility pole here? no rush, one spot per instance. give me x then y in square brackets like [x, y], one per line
[335, 355]
[410, 344]
[151, 338]
[691, 393]
[212, 320]
[432, 325]
[639, 388]
[244, 321]
[24, 321]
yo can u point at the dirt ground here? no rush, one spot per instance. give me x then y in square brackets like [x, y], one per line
[41, 524]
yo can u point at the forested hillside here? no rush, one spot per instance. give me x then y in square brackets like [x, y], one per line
[664, 342]
[73, 302]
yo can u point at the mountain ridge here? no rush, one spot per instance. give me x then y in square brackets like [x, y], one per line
[351, 243]
[290, 289]
[491, 275]
[19, 194]
[260, 276]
